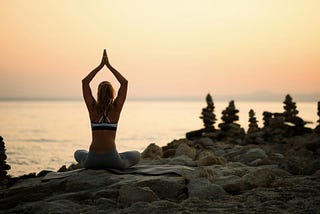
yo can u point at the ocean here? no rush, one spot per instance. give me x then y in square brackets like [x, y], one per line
[43, 135]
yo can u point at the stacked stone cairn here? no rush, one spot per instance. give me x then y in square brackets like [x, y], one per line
[254, 133]
[209, 119]
[207, 114]
[290, 108]
[3, 165]
[317, 129]
[253, 123]
[267, 116]
[295, 124]
[290, 112]
[231, 130]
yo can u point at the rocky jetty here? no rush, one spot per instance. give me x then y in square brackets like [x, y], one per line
[4, 167]
[257, 174]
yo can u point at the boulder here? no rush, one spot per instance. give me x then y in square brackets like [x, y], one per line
[204, 142]
[129, 194]
[182, 160]
[253, 154]
[230, 183]
[203, 189]
[153, 151]
[257, 178]
[165, 187]
[169, 153]
[175, 143]
[211, 159]
[184, 149]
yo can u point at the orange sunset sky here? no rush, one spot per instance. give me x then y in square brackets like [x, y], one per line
[167, 48]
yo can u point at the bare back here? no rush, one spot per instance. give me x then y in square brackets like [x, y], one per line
[104, 140]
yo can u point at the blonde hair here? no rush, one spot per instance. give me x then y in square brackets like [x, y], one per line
[105, 97]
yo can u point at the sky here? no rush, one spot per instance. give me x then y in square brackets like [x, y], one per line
[166, 49]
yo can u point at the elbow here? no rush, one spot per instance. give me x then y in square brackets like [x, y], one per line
[85, 81]
[124, 82]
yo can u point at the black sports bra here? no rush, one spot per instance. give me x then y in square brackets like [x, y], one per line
[104, 124]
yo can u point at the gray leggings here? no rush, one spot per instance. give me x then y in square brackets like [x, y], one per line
[109, 159]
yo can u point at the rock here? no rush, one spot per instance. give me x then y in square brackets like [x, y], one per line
[253, 154]
[203, 189]
[182, 160]
[211, 160]
[169, 153]
[130, 194]
[317, 174]
[175, 143]
[235, 168]
[4, 167]
[43, 173]
[74, 166]
[63, 169]
[184, 149]
[156, 207]
[230, 183]
[152, 151]
[105, 203]
[203, 153]
[257, 178]
[208, 116]
[204, 142]
[165, 187]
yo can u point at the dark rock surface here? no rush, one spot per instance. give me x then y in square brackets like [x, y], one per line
[4, 167]
[227, 178]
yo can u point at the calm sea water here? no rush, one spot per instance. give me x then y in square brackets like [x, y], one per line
[44, 134]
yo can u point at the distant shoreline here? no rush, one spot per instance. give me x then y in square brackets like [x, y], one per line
[238, 98]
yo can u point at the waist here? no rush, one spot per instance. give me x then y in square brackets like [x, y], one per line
[102, 147]
[103, 140]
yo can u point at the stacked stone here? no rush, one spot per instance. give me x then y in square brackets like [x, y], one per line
[3, 165]
[254, 134]
[267, 116]
[232, 131]
[317, 129]
[208, 116]
[290, 108]
[253, 123]
[229, 115]
[291, 112]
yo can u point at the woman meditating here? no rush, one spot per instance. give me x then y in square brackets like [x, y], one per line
[104, 114]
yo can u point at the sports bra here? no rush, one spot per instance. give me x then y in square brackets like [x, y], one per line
[104, 124]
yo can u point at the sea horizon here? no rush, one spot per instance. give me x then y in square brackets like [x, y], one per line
[249, 97]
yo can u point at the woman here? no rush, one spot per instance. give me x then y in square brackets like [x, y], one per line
[104, 115]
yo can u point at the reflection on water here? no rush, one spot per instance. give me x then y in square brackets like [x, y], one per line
[44, 134]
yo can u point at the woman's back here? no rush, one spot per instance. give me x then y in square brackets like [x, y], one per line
[104, 127]
[104, 116]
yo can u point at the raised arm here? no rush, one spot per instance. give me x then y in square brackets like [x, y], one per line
[122, 92]
[86, 90]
